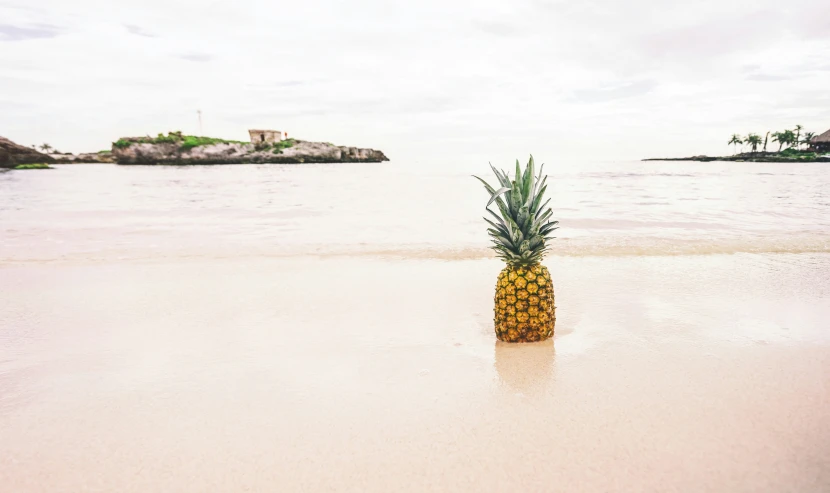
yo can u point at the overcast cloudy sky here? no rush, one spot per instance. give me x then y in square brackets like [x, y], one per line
[426, 80]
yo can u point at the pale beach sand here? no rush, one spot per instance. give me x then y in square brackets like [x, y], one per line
[686, 373]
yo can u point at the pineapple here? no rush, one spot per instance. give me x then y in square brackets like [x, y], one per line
[524, 310]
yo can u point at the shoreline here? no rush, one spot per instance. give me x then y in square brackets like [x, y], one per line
[749, 157]
[567, 248]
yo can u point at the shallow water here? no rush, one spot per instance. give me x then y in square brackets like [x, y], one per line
[329, 328]
[99, 211]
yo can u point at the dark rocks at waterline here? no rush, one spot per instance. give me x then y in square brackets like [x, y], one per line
[12, 154]
[693, 158]
[756, 157]
[84, 157]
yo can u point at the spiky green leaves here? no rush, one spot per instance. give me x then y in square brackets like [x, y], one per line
[521, 229]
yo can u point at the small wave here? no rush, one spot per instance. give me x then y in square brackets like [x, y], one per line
[585, 249]
[644, 174]
[581, 247]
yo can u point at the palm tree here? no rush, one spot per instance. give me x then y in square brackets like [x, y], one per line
[766, 137]
[734, 141]
[45, 147]
[753, 140]
[808, 136]
[780, 138]
[798, 129]
[789, 138]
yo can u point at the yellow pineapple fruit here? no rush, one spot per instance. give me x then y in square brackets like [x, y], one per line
[524, 303]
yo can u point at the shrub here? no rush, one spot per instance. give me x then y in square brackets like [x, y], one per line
[283, 144]
[191, 141]
[33, 166]
[795, 153]
[171, 138]
[186, 142]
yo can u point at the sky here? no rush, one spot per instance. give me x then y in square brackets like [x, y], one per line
[430, 81]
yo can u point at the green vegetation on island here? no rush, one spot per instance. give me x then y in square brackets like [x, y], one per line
[283, 144]
[33, 166]
[188, 142]
[185, 142]
[798, 154]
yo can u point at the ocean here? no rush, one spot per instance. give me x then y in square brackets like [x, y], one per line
[102, 212]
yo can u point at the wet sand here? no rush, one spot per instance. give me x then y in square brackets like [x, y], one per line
[685, 373]
[705, 373]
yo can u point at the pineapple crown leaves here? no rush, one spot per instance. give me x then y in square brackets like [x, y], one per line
[523, 226]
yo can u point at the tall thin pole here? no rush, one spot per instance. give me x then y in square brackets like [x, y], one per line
[200, 122]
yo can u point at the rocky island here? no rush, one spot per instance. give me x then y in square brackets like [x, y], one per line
[101, 157]
[817, 148]
[757, 157]
[266, 146]
[13, 155]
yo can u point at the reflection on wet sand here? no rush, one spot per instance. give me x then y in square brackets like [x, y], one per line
[525, 368]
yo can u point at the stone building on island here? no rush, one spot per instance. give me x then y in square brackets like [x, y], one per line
[267, 136]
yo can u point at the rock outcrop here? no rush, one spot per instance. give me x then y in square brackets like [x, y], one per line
[12, 154]
[84, 157]
[133, 151]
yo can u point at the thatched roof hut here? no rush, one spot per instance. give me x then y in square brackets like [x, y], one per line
[821, 142]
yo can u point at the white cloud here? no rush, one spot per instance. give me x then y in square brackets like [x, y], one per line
[196, 57]
[421, 80]
[20, 33]
[138, 31]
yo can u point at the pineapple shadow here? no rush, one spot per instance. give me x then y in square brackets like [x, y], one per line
[526, 368]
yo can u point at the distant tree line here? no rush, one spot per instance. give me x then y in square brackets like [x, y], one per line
[790, 138]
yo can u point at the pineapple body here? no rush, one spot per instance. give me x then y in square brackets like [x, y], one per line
[524, 310]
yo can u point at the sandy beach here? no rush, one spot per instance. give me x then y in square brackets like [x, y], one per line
[305, 329]
[697, 373]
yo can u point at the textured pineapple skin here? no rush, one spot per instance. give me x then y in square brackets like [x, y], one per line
[524, 310]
